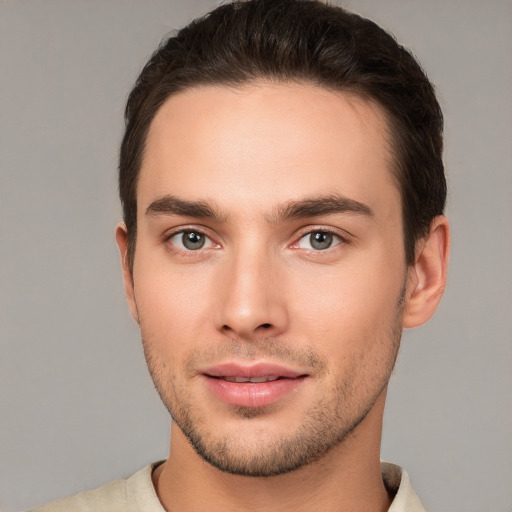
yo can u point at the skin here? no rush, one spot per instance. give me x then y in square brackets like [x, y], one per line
[259, 291]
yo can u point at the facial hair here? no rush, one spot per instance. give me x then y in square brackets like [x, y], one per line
[326, 424]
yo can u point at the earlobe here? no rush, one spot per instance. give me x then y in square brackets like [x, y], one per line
[427, 277]
[122, 243]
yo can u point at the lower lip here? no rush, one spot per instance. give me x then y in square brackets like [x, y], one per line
[252, 394]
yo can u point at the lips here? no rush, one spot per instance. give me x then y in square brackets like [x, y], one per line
[256, 385]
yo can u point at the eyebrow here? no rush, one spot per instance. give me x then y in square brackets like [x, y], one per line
[304, 208]
[171, 205]
[321, 205]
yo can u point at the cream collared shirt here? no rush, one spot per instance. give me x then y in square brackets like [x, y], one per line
[137, 494]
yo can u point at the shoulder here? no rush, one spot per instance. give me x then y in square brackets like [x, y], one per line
[134, 494]
[104, 498]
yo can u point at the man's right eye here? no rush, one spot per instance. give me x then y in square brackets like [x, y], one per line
[190, 240]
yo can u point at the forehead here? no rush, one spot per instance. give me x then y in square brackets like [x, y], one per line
[267, 142]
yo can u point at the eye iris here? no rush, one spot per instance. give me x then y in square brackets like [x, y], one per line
[320, 240]
[193, 240]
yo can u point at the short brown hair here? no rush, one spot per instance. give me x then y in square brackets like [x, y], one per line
[303, 41]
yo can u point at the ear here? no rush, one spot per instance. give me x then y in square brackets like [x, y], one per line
[129, 290]
[427, 277]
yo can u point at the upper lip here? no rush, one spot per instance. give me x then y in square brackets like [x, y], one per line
[260, 369]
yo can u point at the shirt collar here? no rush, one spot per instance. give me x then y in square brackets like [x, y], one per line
[398, 485]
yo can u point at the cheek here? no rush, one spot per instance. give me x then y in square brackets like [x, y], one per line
[354, 303]
[172, 304]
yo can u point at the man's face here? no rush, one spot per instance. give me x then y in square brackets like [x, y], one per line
[269, 269]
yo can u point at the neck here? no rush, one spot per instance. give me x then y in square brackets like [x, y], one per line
[347, 478]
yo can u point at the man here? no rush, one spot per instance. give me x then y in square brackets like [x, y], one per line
[283, 191]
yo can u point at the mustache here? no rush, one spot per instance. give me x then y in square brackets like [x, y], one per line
[270, 349]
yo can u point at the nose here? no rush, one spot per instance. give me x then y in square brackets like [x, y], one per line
[252, 302]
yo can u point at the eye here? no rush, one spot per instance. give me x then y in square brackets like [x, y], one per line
[190, 240]
[319, 240]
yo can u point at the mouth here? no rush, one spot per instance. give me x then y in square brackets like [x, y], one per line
[254, 380]
[256, 385]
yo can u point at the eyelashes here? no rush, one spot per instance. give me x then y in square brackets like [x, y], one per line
[194, 240]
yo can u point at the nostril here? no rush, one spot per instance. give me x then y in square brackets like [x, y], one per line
[248, 331]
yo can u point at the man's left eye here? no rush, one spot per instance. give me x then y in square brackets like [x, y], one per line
[319, 240]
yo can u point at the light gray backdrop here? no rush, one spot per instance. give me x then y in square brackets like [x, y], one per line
[77, 406]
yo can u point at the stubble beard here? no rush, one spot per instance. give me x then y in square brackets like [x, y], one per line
[326, 424]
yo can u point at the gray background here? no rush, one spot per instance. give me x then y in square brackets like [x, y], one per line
[77, 406]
